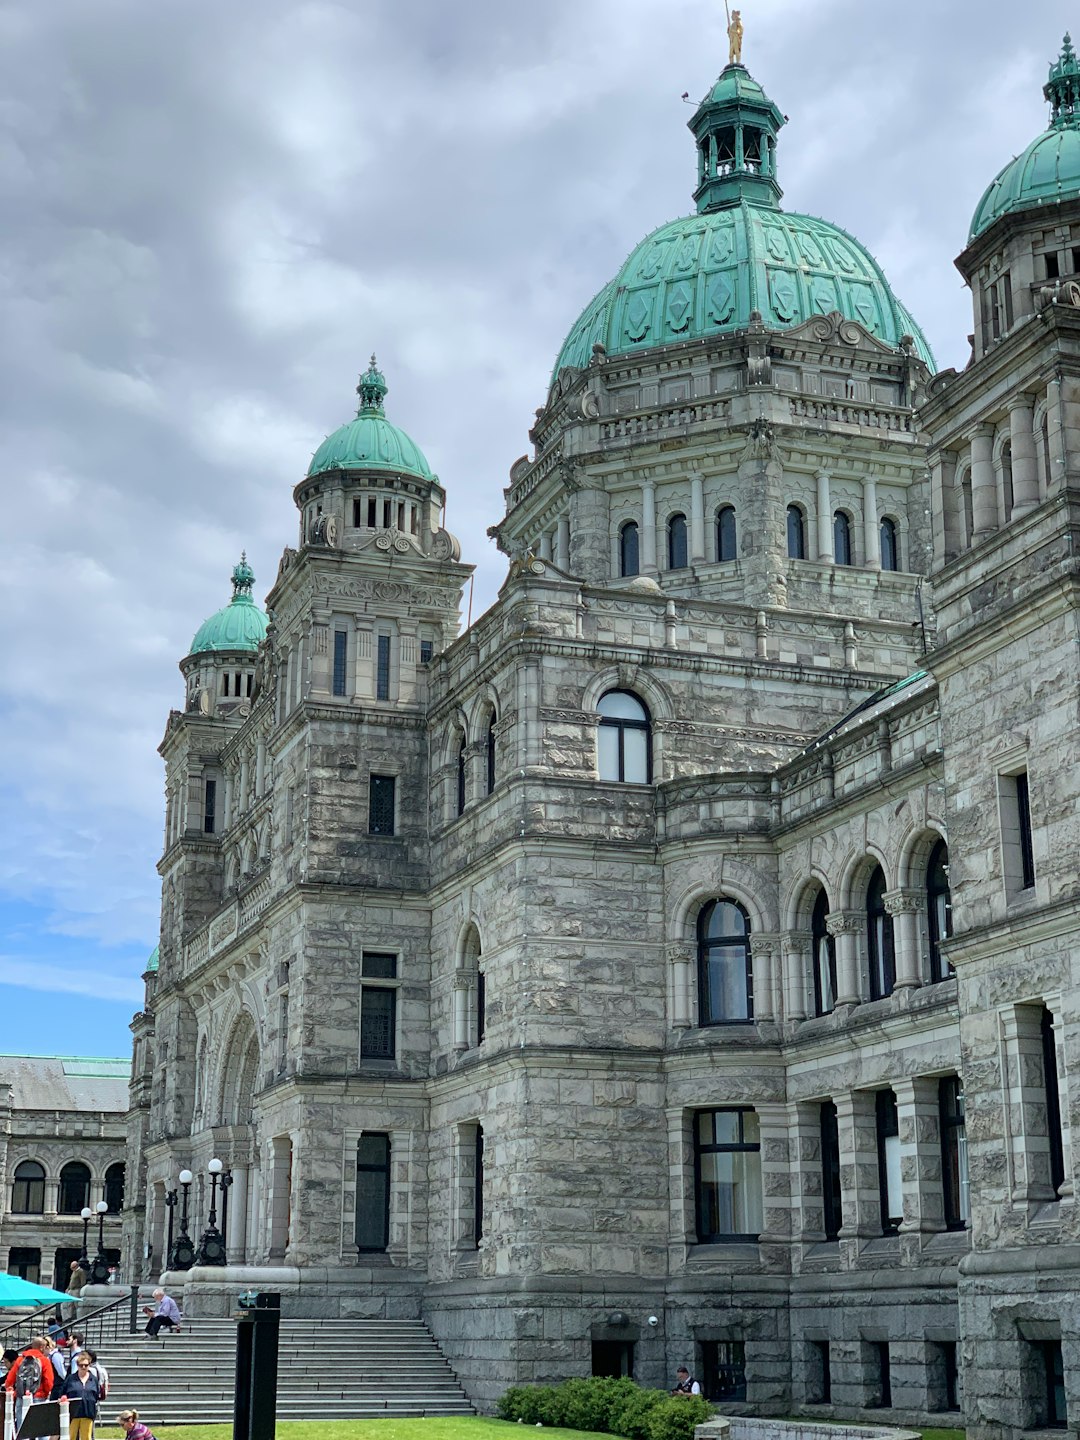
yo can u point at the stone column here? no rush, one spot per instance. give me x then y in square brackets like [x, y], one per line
[796, 953]
[847, 926]
[808, 1218]
[236, 1238]
[681, 965]
[562, 543]
[761, 960]
[697, 518]
[856, 1122]
[920, 1154]
[944, 507]
[648, 528]
[905, 907]
[776, 1177]
[983, 487]
[545, 545]
[320, 657]
[871, 526]
[462, 985]
[824, 518]
[1025, 470]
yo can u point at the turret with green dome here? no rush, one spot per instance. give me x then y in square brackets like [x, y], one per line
[370, 442]
[240, 625]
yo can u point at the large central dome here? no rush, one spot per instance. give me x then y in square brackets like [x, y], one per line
[703, 274]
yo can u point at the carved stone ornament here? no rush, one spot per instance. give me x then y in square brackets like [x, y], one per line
[393, 539]
[760, 442]
[288, 555]
[445, 546]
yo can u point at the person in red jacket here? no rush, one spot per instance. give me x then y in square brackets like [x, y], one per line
[31, 1377]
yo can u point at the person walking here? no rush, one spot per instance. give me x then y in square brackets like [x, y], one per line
[166, 1313]
[82, 1393]
[76, 1280]
[133, 1427]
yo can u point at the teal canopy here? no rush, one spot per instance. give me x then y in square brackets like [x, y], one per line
[15, 1291]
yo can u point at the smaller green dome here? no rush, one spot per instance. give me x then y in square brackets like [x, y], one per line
[736, 83]
[240, 625]
[1048, 171]
[152, 963]
[370, 442]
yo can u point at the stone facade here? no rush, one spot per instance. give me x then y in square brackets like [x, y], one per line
[597, 984]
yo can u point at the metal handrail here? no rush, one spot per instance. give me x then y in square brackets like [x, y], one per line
[93, 1325]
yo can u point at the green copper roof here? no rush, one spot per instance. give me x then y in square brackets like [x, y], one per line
[703, 274]
[1048, 171]
[240, 625]
[152, 963]
[370, 442]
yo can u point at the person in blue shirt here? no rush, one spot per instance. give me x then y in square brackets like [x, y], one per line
[166, 1313]
[82, 1392]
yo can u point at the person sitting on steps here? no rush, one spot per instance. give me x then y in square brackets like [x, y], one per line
[167, 1313]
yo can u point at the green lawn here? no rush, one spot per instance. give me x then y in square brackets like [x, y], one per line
[464, 1427]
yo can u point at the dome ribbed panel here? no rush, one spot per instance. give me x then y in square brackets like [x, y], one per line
[370, 442]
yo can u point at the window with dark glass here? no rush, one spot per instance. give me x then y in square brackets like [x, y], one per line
[613, 1359]
[725, 973]
[890, 552]
[881, 1395]
[74, 1190]
[727, 1175]
[841, 529]
[372, 1230]
[26, 1263]
[725, 533]
[832, 1197]
[1053, 1100]
[676, 543]
[824, 946]
[478, 1186]
[723, 1369]
[114, 1187]
[880, 944]
[490, 752]
[1023, 815]
[938, 909]
[796, 533]
[381, 804]
[629, 546]
[427, 651]
[890, 1189]
[460, 775]
[341, 650]
[948, 1374]
[28, 1189]
[378, 1007]
[209, 806]
[481, 1006]
[954, 1158]
[819, 1378]
[382, 668]
[1053, 1412]
[623, 742]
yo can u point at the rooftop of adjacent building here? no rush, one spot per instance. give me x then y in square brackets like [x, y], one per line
[67, 1082]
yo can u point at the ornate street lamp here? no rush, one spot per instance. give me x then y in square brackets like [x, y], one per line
[99, 1269]
[182, 1256]
[212, 1244]
[86, 1213]
[171, 1198]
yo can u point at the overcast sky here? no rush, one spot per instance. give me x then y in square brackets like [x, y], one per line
[213, 213]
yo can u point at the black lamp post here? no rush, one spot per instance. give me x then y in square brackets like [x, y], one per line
[226, 1181]
[99, 1268]
[212, 1243]
[86, 1213]
[171, 1198]
[182, 1255]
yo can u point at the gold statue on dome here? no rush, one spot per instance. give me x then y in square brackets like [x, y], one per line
[734, 35]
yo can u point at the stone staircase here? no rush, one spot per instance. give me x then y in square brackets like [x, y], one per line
[327, 1369]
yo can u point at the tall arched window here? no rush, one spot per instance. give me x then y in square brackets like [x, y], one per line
[824, 957]
[725, 977]
[890, 549]
[460, 774]
[28, 1189]
[114, 1187]
[677, 552]
[490, 752]
[841, 531]
[880, 948]
[938, 909]
[623, 742]
[629, 549]
[796, 533]
[74, 1190]
[725, 533]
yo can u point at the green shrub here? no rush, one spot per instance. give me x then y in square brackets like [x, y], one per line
[531, 1404]
[676, 1417]
[607, 1406]
[588, 1404]
[630, 1417]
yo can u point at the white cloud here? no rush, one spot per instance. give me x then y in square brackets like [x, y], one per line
[55, 979]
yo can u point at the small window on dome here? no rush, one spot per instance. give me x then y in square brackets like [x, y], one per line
[1075, 261]
[401, 515]
[225, 682]
[387, 510]
[372, 521]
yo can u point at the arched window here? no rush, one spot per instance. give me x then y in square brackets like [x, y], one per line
[725, 533]
[676, 543]
[796, 533]
[629, 560]
[725, 978]
[890, 549]
[824, 957]
[880, 948]
[460, 775]
[1007, 498]
[74, 1191]
[28, 1189]
[114, 1188]
[967, 513]
[490, 752]
[938, 909]
[623, 742]
[841, 531]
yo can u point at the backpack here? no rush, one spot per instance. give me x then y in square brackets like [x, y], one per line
[28, 1375]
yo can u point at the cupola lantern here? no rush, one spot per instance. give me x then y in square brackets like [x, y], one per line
[735, 127]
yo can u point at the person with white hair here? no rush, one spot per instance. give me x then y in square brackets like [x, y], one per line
[166, 1313]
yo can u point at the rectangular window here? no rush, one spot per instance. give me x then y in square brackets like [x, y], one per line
[341, 650]
[427, 651]
[387, 507]
[613, 1359]
[1056, 1414]
[727, 1169]
[954, 1158]
[478, 1187]
[888, 1140]
[225, 682]
[481, 1007]
[1053, 1101]
[1023, 814]
[382, 669]
[250, 683]
[378, 1013]
[881, 1385]
[819, 1373]
[357, 514]
[372, 513]
[1050, 261]
[209, 807]
[831, 1193]
[372, 1192]
[378, 966]
[945, 1376]
[381, 804]
[1075, 260]
[25, 1262]
[1017, 853]
[723, 1369]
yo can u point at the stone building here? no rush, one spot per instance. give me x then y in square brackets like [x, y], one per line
[62, 1145]
[677, 965]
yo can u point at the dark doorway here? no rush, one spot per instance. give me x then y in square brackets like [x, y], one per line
[613, 1358]
[62, 1265]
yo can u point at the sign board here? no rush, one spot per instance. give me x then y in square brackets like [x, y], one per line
[39, 1420]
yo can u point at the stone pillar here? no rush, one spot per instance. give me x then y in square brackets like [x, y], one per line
[236, 1238]
[697, 518]
[462, 985]
[824, 518]
[776, 1177]
[847, 926]
[562, 543]
[983, 487]
[871, 525]
[920, 1154]
[1025, 470]
[856, 1122]
[807, 1213]
[648, 528]
[320, 652]
[944, 507]
[905, 907]
[796, 953]
[761, 960]
[590, 548]
[545, 545]
[681, 965]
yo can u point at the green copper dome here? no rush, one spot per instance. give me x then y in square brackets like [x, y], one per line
[240, 625]
[152, 963]
[1048, 171]
[703, 274]
[370, 442]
